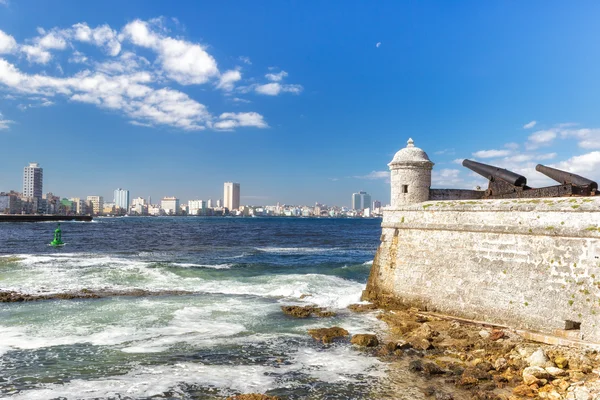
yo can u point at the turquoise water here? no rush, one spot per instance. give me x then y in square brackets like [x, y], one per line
[227, 336]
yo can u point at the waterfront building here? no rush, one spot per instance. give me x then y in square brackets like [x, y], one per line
[121, 198]
[170, 205]
[361, 200]
[97, 204]
[33, 180]
[231, 195]
[219, 203]
[209, 203]
[197, 207]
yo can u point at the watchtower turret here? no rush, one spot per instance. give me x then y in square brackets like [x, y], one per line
[410, 176]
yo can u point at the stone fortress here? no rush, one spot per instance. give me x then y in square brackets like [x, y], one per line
[509, 256]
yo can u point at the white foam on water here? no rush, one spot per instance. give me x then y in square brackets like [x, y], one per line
[296, 250]
[215, 266]
[336, 363]
[155, 380]
[368, 262]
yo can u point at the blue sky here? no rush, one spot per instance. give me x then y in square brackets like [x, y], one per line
[299, 101]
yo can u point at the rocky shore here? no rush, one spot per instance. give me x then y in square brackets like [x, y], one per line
[17, 297]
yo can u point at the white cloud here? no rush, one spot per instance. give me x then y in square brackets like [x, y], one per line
[275, 88]
[378, 44]
[458, 161]
[239, 100]
[228, 79]
[245, 60]
[445, 151]
[278, 77]
[447, 177]
[36, 54]
[53, 40]
[78, 58]
[8, 43]
[529, 125]
[102, 36]
[4, 123]
[375, 175]
[491, 153]
[540, 138]
[587, 164]
[185, 62]
[233, 120]
[512, 145]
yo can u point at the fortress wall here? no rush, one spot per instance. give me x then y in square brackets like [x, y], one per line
[528, 263]
[455, 194]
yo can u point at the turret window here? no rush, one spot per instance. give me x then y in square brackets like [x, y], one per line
[404, 188]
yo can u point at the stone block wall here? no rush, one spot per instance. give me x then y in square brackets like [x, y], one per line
[526, 263]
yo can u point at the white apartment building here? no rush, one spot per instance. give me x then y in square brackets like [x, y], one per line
[121, 198]
[97, 203]
[196, 207]
[170, 205]
[33, 180]
[231, 195]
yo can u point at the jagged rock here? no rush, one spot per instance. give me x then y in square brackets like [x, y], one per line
[561, 362]
[472, 376]
[484, 334]
[485, 366]
[362, 307]
[539, 359]
[365, 339]
[500, 364]
[556, 371]
[253, 396]
[328, 335]
[415, 366]
[496, 335]
[306, 311]
[532, 375]
[581, 393]
[524, 390]
[443, 396]
[421, 337]
[431, 368]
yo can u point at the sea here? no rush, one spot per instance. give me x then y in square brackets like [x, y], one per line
[214, 326]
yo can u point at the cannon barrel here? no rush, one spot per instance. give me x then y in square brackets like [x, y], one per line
[494, 173]
[566, 178]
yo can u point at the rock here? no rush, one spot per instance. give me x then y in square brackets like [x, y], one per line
[306, 311]
[524, 390]
[328, 335]
[561, 362]
[365, 339]
[581, 393]
[362, 307]
[471, 377]
[415, 366]
[484, 334]
[421, 337]
[539, 359]
[485, 366]
[500, 364]
[532, 375]
[496, 335]
[556, 371]
[431, 368]
[253, 396]
[443, 396]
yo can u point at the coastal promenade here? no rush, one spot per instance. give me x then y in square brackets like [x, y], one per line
[40, 218]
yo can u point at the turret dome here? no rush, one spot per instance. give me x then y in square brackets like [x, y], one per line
[410, 155]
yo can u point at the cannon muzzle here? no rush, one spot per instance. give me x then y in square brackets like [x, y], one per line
[494, 173]
[566, 178]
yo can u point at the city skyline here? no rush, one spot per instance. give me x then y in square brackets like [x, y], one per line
[305, 107]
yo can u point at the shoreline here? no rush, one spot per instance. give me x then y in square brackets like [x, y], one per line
[43, 218]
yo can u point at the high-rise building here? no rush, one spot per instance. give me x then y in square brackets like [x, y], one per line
[33, 180]
[361, 201]
[231, 195]
[97, 203]
[196, 207]
[121, 198]
[209, 204]
[170, 205]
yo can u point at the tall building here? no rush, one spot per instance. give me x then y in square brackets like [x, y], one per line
[33, 180]
[196, 207]
[97, 203]
[361, 201]
[170, 205]
[121, 198]
[231, 195]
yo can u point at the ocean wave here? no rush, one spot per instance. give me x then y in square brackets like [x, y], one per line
[192, 265]
[368, 262]
[296, 250]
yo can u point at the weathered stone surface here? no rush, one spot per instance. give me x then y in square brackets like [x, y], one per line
[415, 366]
[365, 339]
[524, 390]
[328, 335]
[561, 362]
[362, 307]
[431, 368]
[556, 371]
[532, 375]
[539, 359]
[500, 364]
[421, 337]
[497, 335]
[306, 311]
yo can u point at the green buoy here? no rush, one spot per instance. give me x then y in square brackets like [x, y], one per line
[57, 238]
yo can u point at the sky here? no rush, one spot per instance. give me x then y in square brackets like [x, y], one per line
[298, 101]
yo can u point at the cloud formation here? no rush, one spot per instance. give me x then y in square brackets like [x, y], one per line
[529, 125]
[124, 81]
[491, 153]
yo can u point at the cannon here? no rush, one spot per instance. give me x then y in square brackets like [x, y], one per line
[493, 174]
[567, 178]
[507, 184]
